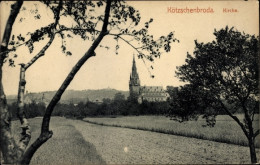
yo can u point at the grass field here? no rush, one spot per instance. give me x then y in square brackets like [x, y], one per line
[66, 147]
[78, 142]
[226, 130]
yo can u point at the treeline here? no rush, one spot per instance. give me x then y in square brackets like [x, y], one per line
[31, 110]
[111, 108]
[88, 109]
[189, 102]
[181, 103]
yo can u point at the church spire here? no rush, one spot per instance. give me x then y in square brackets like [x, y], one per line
[134, 77]
[134, 82]
[134, 69]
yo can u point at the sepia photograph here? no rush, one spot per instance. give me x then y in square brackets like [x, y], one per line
[129, 82]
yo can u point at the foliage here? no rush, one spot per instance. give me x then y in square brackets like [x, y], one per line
[31, 110]
[172, 91]
[30, 38]
[119, 97]
[225, 72]
[111, 108]
[190, 102]
[86, 23]
[226, 69]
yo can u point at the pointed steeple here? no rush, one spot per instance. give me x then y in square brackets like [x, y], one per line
[134, 77]
[134, 69]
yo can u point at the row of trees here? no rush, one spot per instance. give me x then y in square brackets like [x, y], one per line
[113, 108]
[31, 110]
[184, 104]
[89, 109]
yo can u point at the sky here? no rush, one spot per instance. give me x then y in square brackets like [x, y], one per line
[108, 70]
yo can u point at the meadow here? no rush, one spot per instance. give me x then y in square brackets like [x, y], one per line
[79, 142]
[67, 146]
[226, 130]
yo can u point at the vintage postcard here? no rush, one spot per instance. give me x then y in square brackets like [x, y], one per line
[129, 82]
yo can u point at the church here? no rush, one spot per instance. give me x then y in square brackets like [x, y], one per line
[141, 93]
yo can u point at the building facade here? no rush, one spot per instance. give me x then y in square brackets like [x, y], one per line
[141, 93]
[29, 98]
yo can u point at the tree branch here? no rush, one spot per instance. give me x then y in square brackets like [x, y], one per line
[118, 35]
[256, 133]
[57, 18]
[107, 11]
[256, 108]
[235, 118]
[41, 53]
[15, 47]
[8, 28]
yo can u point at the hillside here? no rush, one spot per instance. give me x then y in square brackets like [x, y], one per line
[73, 96]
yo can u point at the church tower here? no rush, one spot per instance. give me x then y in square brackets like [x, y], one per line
[134, 82]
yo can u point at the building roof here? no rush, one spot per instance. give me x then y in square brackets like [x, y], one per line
[151, 89]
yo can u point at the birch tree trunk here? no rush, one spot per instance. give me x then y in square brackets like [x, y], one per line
[26, 134]
[7, 143]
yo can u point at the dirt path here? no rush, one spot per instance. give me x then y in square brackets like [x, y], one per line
[122, 145]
